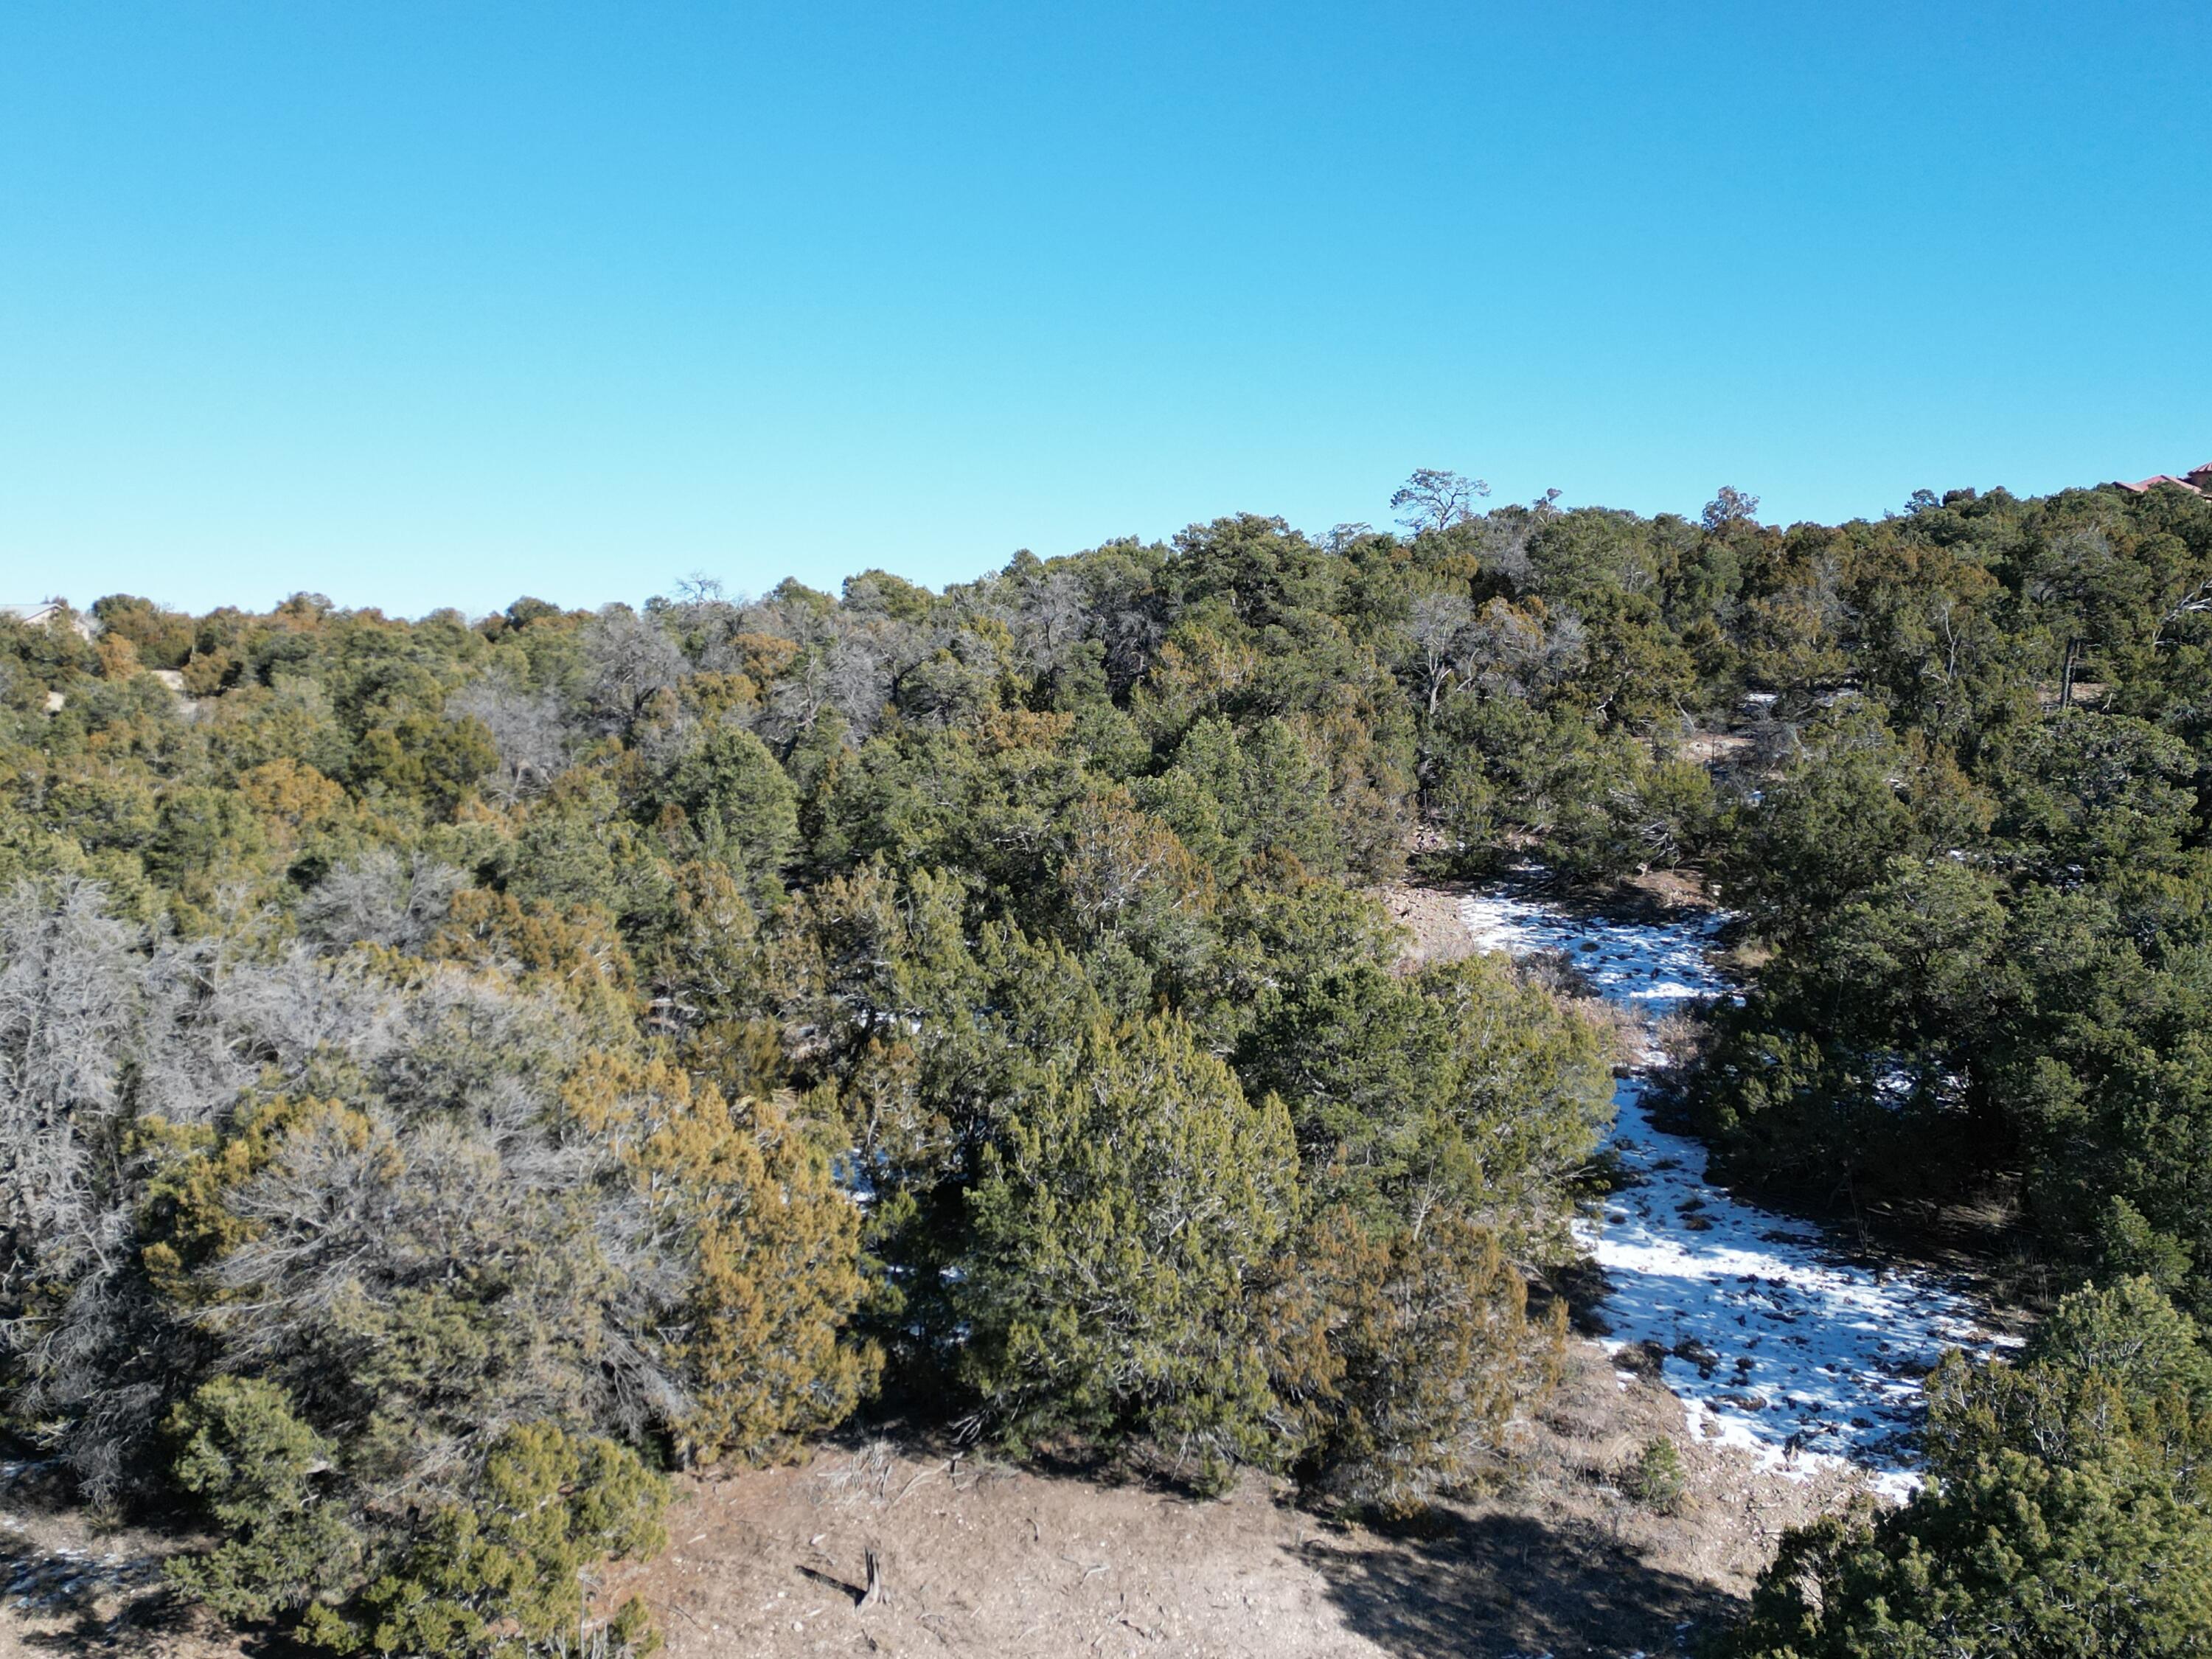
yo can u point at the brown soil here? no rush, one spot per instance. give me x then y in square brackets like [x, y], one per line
[69, 1584]
[1717, 748]
[980, 1558]
[1669, 890]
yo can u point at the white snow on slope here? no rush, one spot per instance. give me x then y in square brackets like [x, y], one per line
[1776, 1343]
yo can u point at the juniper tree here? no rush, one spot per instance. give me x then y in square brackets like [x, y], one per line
[1125, 1207]
[2069, 1515]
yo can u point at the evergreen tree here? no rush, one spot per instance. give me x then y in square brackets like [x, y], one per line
[1125, 1210]
[2070, 1515]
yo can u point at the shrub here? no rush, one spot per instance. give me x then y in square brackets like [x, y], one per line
[1655, 1479]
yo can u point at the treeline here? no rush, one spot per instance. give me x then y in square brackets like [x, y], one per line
[1980, 868]
[454, 1072]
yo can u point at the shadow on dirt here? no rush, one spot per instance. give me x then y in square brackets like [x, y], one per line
[1495, 1585]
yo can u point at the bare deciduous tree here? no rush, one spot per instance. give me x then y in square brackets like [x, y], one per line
[1052, 616]
[1507, 650]
[67, 998]
[527, 729]
[1439, 498]
[381, 898]
[629, 659]
[1730, 505]
[1438, 621]
[75, 1313]
[860, 678]
[474, 1256]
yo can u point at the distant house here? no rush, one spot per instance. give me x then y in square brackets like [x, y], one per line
[45, 613]
[2197, 481]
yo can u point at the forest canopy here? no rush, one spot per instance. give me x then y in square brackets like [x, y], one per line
[456, 1071]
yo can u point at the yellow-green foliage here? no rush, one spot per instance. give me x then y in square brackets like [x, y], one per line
[501, 1574]
[575, 955]
[188, 1221]
[772, 1250]
[262, 1473]
[1403, 1355]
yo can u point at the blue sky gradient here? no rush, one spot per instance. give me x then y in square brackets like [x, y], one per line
[423, 304]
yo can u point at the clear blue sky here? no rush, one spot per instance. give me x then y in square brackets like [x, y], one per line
[419, 304]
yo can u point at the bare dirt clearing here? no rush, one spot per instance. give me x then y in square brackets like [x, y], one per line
[979, 1559]
[70, 1585]
[1429, 915]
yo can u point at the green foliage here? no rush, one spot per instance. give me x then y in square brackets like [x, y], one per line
[2097, 797]
[1248, 797]
[1459, 1089]
[2117, 1372]
[502, 1575]
[1122, 1208]
[2013, 1558]
[261, 1472]
[159, 639]
[1854, 797]
[736, 800]
[736, 1192]
[2070, 1513]
[1402, 1354]
[434, 760]
[1988, 915]
[1656, 1479]
[470, 1061]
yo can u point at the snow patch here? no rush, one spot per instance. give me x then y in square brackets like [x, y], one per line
[1775, 1341]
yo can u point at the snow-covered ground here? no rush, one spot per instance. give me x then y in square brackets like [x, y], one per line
[1776, 1343]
